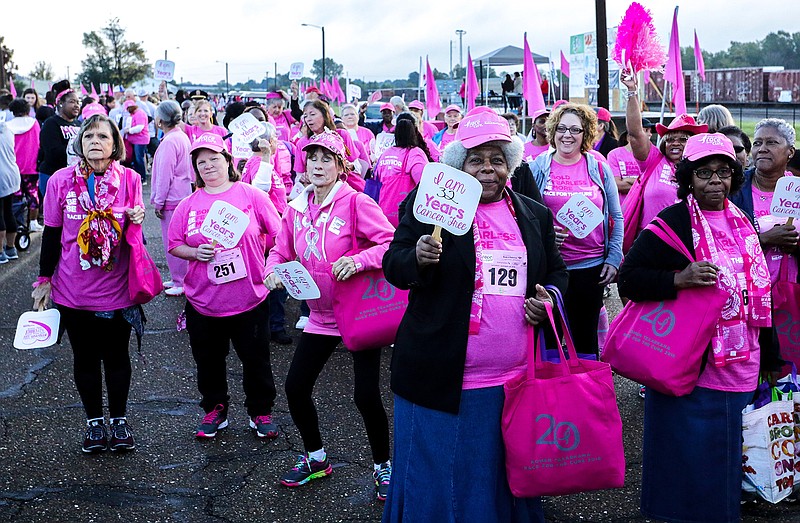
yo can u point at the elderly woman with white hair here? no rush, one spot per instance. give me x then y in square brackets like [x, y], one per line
[716, 117]
[448, 370]
[172, 182]
[282, 118]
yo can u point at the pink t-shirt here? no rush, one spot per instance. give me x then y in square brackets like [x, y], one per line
[204, 288]
[742, 376]
[766, 221]
[446, 139]
[277, 191]
[505, 276]
[661, 189]
[193, 131]
[428, 130]
[283, 124]
[392, 161]
[139, 117]
[433, 149]
[531, 151]
[93, 289]
[566, 181]
[623, 165]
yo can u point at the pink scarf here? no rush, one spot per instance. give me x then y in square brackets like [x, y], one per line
[99, 233]
[477, 295]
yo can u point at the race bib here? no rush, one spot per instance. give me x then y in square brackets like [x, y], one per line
[505, 273]
[227, 266]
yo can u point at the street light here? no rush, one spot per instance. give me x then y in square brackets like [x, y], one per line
[165, 53]
[323, 44]
[227, 87]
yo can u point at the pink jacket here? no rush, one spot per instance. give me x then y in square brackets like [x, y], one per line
[317, 238]
[277, 192]
[26, 143]
[172, 171]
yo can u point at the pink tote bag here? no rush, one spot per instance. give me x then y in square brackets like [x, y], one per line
[561, 425]
[144, 279]
[661, 344]
[786, 314]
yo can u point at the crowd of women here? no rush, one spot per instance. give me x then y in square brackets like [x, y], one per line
[297, 193]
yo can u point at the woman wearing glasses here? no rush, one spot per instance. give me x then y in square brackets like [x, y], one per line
[582, 194]
[692, 444]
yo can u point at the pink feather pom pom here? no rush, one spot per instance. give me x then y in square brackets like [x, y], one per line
[638, 40]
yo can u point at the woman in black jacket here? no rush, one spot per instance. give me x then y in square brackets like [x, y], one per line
[56, 133]
[464, 335]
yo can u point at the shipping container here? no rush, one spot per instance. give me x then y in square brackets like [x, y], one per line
[783, 86]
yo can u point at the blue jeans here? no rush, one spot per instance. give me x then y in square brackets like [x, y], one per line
[277, 310]
[43, 185]
[139, 152]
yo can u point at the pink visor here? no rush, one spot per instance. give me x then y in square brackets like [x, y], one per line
[699, 146]
[208, 141]
[452, 107]
[481, 127]
[416, 104]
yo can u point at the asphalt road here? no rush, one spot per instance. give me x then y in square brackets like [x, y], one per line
[172, 477]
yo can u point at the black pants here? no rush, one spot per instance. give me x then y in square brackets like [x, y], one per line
[211, 338]
[7, 221]
[313, 351]
[99, 342]
[583, 300]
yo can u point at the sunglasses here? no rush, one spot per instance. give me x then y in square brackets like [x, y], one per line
[738, 148]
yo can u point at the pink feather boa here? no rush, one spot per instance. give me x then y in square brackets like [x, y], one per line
[637, 38]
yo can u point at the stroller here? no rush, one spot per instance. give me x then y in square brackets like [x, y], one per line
[20, 206]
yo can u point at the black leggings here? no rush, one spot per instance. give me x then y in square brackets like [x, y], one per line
[583, 300]
[211, 338]
[7, 221]
[97, 341]
[313, 351]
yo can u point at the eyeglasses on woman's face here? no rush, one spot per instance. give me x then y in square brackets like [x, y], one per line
[706, 174]
[563, 129]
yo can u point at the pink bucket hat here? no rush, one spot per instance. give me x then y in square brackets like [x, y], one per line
[93, 109]
[480, 127]
[603, 115]
[387, 107]
[708, 144]
[416, 104]
[329, 140]
[452, 107]
[684, 123]
[208, 141]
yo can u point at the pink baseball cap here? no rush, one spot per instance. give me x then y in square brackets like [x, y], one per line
[208, 141]
[329, 140]
[313, 89]
[699, 146]
[93, 109]
[453, 107]
[387, 107]
[482, 126]
[540, 112]
[603, 114]
[272, 94]
[128, 103]
[559, 102]
[416, 104]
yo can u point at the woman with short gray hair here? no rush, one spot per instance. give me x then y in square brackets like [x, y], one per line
[716, 117]
[172, 182]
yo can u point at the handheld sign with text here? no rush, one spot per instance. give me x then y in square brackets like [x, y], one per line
[240, 149]
[297, 281]
[580, 216]
[224, 224]
[246, 127]
[447, 198]
[296, 71]
[36, 330]
[164, 70]
[354, 91]
[786, 198]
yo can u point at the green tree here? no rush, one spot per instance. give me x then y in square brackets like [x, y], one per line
[331, 68]
[111, 58]
[440, 75]
[7, 67]
[413, 78]
[42, 71]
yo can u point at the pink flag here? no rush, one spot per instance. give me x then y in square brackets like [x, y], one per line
[673, 71]
[111, 90]
[432, 102]
[13, 88]
[531, 84]
[374, 97]
[339, 92]
[472, 84]
[84, 92]
[94, 93]
[564, 65]
[699, 65]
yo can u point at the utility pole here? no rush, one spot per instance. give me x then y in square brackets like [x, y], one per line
[276, 76]
[460, 33]
[451, 59]
[602, 54]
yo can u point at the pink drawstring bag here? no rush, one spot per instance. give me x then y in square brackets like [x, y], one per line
[661, 344]
[786, 314]
[561, 425]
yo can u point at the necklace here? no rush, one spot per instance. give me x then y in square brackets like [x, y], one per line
[763, 197]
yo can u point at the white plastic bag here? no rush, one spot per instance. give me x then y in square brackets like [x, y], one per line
[768, 449]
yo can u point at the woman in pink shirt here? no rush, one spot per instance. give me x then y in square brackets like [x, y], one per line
[84, 269]
[172, 182]
[282, 118]
[135, 130]
[203, 124]
[357, 132]
[452, 115]
[224, 230]
[318, 231]
[539, 143]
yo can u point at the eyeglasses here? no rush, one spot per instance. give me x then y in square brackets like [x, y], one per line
[706, 174]
[563, 129]
[676, 139]
[738, 148]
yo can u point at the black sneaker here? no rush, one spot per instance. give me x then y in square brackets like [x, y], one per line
[121, 436]
[281, 338]
[382, 478]
[96, 439]
[212, 422]
[305, 470]
[264, 426]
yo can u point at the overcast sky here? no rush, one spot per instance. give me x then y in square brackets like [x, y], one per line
[373, 39]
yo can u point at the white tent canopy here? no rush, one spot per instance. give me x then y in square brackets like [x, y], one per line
[509, 55]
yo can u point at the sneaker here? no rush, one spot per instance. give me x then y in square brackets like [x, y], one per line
[382, 478]
[641, 391]
[35, 227]
[264, 426]
[281, 338]
[174, 291]
[3, 258]
[121, 436]
[301, 323]
[11, 253]
[305, 470]
[169, 284]
[95, 439]
[607, 291]
[212, 422]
